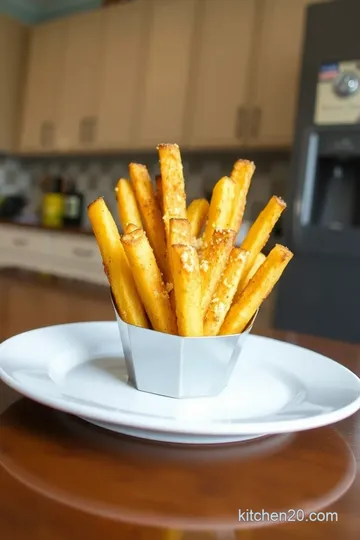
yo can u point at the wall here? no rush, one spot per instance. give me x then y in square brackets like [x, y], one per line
[35, 11]
[97, 176]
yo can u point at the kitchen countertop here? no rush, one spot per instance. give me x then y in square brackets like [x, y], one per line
[39, 226]
[49, 281]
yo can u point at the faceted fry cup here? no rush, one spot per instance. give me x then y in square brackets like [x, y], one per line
[179, 367]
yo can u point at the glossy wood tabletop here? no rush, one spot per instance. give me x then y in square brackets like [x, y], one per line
[63, 479]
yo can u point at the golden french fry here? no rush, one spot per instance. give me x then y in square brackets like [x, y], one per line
[151, 214]
[117, 269]
[258, 288]
[173, 185]
[197, 213]
[187, 287]
[179, 231]
[213, 263]
[242, 174]
[159, 192]
[221, 208]
[225, 292]
[131, 228]
[127, 205]
[149, 282]
[260, 258]
[260, 231]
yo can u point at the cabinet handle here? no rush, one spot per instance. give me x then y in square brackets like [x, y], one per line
[82, 252]
[87, 130]
[20, 242]
[255, 123]
[240, 126]
[47, 131]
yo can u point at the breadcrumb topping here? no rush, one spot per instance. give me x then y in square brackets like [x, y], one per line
[161, 294]
[241, 256]
[204, 265]
[188, 264]
[217, 306]
[198, 243]
[169, 287]
[220, 235]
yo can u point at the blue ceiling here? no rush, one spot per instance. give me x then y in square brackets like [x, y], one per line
[34, 11]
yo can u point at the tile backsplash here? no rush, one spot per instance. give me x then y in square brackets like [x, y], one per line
[97, 175]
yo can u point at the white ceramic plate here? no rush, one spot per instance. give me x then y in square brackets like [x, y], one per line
[275, 388]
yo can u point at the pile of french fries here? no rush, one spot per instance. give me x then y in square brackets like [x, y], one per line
[176, 269]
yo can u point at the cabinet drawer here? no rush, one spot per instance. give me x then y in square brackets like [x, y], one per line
[80, 249]
[24, 240]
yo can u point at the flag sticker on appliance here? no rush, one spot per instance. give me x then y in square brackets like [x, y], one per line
[338, 94]
[328, 72]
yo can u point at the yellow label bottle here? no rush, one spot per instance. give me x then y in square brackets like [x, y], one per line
[53, 207]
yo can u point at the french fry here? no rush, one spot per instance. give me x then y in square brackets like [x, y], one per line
[225, 292]
[221, 208]
[173, 185]
[131, 228]
[117, 269]
[179, 232]
[150, 285]
[258, 288]
[151, 214]
[260, 258]
[197, 213]
[176, 269]
[187, 287]
[260, 231]
[127, 205]
[242, 174]
[213, 263]
[159, 192]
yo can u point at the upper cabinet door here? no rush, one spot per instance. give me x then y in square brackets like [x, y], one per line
[124, 46]
[276, 77]
[166, 71]
[219, 85]
[12, 64]
[43, 87]
[78, 126]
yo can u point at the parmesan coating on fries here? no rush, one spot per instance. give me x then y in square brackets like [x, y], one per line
[187, 287]
[225, 292]
[148, 279]
[221, 208]
[213, 263]
[258, 288]
[173, 185]
[176, 269]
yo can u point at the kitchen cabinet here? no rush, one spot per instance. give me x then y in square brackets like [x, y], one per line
[166, 72]
[247, 61]
[123, 55]
[202, 73]
[44, 87]
[276, 73]
[220, 83]
[51, 252]
[62, 92]
[78, 124]
[28, 301]
[13, 41]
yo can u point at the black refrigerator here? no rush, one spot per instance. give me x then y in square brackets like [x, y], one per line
[319, 294]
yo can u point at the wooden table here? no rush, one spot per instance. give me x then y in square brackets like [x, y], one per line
[62, 479]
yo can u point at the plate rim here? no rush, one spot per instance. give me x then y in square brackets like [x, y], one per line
[158, 424]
